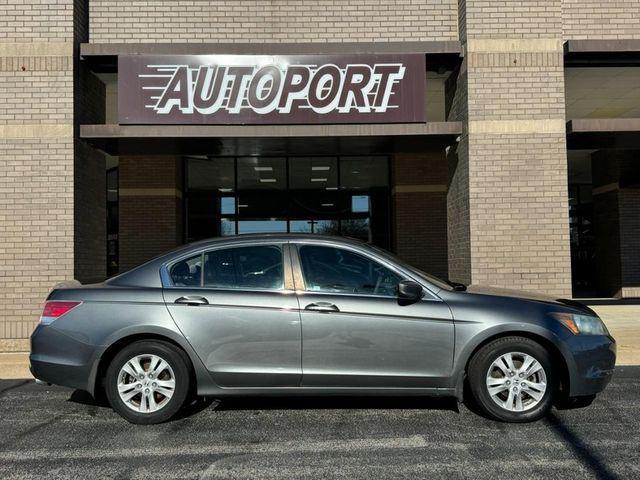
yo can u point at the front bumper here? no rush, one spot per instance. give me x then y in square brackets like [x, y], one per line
[60, 359]
[594, 359]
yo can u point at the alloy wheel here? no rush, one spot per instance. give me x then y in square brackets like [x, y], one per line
[146, 383]
[516, 381]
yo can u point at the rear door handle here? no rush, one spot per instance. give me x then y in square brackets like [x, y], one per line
[192, 300]
[322, 307]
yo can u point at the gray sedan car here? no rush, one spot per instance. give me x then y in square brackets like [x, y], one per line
[313, 315]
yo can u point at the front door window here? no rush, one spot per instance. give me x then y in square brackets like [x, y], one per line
[335, 270]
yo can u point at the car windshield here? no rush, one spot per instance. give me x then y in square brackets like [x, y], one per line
[426, 276]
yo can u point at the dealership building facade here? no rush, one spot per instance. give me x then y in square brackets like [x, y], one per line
[487, 141]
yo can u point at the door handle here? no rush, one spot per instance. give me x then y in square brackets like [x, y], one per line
[322, 307]
[192, 300]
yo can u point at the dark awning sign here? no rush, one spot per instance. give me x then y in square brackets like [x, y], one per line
[252, 89]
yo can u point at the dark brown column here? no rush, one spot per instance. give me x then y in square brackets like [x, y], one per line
[420, 210]
[150, 207]
[616, 209]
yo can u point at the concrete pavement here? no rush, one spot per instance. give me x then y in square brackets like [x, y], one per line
[623, 322]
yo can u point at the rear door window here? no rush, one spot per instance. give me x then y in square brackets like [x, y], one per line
[253, 267]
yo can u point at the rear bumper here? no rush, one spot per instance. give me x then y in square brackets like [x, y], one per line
[594, 359]
[60, 359]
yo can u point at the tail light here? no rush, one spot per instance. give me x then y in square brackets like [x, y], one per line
[55, 309]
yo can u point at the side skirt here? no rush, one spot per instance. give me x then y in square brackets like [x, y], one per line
[325, 391]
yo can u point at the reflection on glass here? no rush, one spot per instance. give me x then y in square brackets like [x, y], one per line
[313, 173]
[257, 173]
[359, 203]
[228, 205]
[227, 227]
[363, 172]
[211, 173]
[356, 228]
[324, 227]
[323, 195]
[262, 226]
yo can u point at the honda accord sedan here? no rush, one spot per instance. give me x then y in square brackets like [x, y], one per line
[313, 315]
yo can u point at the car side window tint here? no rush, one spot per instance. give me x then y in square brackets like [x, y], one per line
[257, 266]
[329, 269]
[187, 272]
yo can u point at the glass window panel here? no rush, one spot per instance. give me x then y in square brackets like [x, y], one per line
[244, 267]
[323, 227]
[360, 203]
[262, 226]
[327, 227]
[228, 205]
[186, 273]
[261, 204]
[364, 172]
[359, 228]
[258, 173]
[313, 173]
[216, 173]
[227, 227]
[328, 269]
[300, 226]
[307, 204]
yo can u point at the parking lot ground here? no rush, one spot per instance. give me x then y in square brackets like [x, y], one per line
[52, 432]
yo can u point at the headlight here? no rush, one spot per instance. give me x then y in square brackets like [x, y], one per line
[581, 324]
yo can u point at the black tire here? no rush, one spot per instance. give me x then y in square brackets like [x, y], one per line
[479, 368]
[178, 362]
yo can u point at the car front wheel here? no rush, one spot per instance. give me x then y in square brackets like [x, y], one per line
[148, 382]
[512, 379]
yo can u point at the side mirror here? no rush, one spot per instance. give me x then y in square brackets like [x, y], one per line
[409, 292]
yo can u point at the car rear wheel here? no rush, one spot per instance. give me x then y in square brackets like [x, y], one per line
[512, 379]
[148, 382]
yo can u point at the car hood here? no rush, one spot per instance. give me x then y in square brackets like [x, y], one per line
[532, 296]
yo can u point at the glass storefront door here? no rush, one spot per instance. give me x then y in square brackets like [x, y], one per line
[346, 195]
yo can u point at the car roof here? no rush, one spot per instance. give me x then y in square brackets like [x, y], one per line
[274, 237]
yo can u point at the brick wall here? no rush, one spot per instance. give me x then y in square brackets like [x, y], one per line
[630, 240]
[90, 225]
[509, 175]
[36, 160]
[36, 89]
[603, 19]
[36, 20]
[121, 21]
[420, 210]
[458, 214]
[458, 232]
[90, 214]
[516, 85]
[519, 219]
[150, 208]
[512, 18]
[36, 227]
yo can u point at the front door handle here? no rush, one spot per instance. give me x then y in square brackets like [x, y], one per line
[192, 300]
[322, 307]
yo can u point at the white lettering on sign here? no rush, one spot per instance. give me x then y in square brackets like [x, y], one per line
[269, 88]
